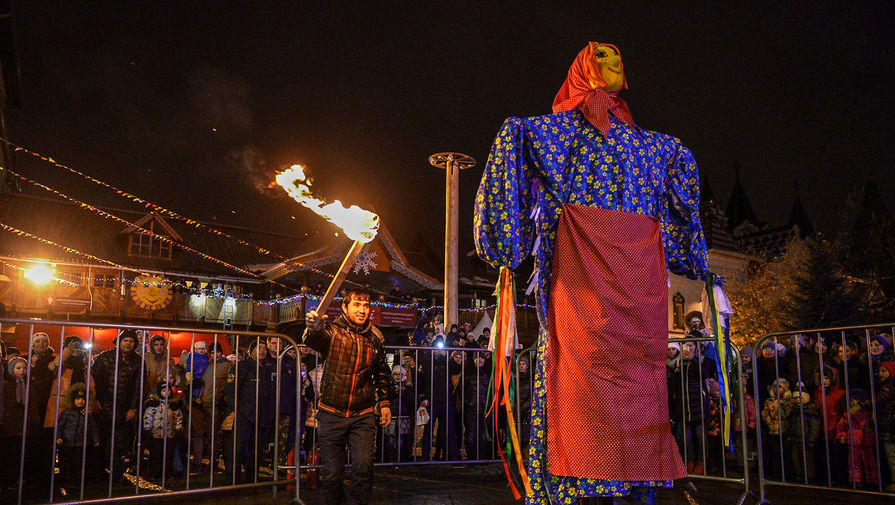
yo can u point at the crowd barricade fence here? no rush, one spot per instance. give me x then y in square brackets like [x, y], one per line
[696, 414]
[254, 433]
[151, 435]
[823, 444]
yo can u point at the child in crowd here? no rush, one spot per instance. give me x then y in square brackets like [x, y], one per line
[828, 456]
[70, 430]
[855, 428]
[775, 414]
[13, 420]
[162, 422]
[804, 430]
[885, 411]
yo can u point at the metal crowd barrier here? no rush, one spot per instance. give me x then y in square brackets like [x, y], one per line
[98, 478]
[687, 428]
[435, 420]
[823, 462]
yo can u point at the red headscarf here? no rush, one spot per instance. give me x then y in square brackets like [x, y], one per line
[583, 89]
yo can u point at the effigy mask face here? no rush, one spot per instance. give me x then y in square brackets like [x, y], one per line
[610, 64]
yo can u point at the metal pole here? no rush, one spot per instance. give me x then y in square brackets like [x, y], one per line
[452, 163]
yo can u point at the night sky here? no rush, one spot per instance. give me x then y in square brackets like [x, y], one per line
[194, 106]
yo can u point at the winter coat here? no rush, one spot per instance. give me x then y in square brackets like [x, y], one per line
[129, 381]
[195, 365]
[750, 413]
[777, 423]
[885, 409]
[13, 418]
[355, 374]
[42, 378]
[69, 376]
[804, 423]
[477, 383]
[809, 365]
[831, 408]
[687, 398]
[252, 387]
[862, 430]
[286, 380]
[162, 418]
[215, 379]
[858, 373]
[72, 422]
[157, 365]
[767, 371]
[434, 378]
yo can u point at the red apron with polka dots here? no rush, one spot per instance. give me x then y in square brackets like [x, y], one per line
[607, 399]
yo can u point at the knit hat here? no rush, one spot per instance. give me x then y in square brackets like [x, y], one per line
[799, 338]
[779, 383]
[801, 398]
[890, 366]
[40, 335]
[859, 394]
[76, 391]
[200, 344]
[883, 339]
[253, 344]
[10, 366]
[72, 338]
[128, 333]
[832, 374]
[747, 351]
[674, 345]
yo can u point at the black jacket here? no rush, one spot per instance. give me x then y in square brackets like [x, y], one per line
[129, 381]
[687, 396]
[241, 391]
[355, 374]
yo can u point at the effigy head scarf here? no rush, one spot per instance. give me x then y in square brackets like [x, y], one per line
[587, 89]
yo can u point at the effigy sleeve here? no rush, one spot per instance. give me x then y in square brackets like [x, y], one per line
[682, 235]
[503, 222]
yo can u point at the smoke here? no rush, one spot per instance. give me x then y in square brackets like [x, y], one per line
[251, 165]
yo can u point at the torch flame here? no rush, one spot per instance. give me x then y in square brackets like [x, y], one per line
[358, 224]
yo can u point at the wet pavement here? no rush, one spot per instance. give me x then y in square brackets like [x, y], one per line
[485, 484]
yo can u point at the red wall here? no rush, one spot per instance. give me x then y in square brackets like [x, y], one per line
[102, 338]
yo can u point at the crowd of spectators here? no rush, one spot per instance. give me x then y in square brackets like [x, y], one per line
[825, 407]
[108, 414]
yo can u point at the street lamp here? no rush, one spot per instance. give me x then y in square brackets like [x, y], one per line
[452, 163]
[39, 273]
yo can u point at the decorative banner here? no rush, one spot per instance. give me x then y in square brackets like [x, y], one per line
[160, 209]
[150, 292]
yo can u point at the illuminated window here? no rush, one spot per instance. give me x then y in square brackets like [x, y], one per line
[144, 245]
[678, 311]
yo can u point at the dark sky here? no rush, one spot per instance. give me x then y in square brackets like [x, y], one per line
[186, 103]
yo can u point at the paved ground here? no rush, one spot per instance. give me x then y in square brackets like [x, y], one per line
[485, 484]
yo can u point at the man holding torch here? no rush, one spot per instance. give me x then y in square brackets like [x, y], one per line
[355, 382]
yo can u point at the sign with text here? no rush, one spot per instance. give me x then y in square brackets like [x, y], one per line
[401, 317]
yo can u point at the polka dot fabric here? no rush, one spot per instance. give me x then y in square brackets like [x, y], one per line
[607, 403]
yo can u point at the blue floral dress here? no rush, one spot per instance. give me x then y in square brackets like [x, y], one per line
[536, 165]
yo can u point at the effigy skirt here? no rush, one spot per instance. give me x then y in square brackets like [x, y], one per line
[607, 399]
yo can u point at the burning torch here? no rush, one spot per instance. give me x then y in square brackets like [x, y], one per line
[358, 224]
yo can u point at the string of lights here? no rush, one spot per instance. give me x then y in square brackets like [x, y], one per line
[163, 210]
[174, 215]
[136, 227]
